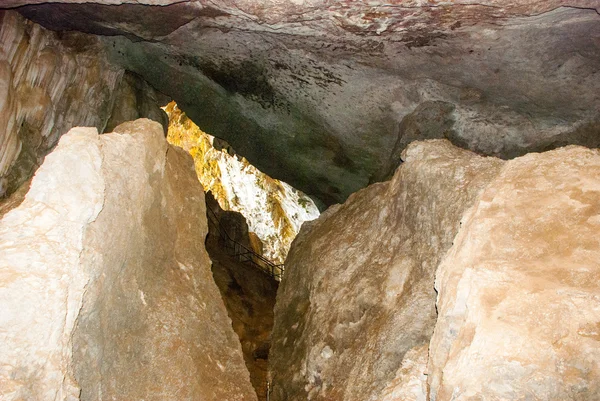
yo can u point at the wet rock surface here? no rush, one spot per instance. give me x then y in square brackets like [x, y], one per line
[518, 291]
[357, 298]
[105, 283]
[315, 92]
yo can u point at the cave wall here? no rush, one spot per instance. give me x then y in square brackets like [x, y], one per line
[318, 93]
[248, 292]
[134, 98]
[105, 284]
[51, 82]
[512, 250]
[356, 304]
[518, 292]
[48, 86]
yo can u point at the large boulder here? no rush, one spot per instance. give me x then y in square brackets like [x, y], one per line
[519, 291]
[356, 307]
[105, 284]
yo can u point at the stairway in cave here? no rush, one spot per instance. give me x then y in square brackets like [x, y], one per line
[248, 292]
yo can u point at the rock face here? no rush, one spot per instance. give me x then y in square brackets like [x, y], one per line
[517, 304]
[316, 92]
[134, 99]
[105, 285]
[51, 82]
[519, 290]
[42, 78]
[273, 209]
[356, 307]
[248, 293]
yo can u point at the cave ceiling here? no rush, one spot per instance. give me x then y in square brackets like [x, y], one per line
[325, 94]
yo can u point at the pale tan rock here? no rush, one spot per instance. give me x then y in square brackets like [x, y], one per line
[410, 383]
[358, 293]
[105, 286]
[519, 292]
[42, 284]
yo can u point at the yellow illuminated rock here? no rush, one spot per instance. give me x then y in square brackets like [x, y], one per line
[274, 210]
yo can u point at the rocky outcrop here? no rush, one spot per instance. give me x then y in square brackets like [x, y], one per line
[356, 307]
[517, 286]
[315, 92]
[105, 284]
[248, 292]
[519, 290]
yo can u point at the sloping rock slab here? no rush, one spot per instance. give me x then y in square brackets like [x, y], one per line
[105, 283]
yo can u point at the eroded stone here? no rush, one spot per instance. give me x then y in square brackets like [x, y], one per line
[518, 291]
[314, 92]
[358, 293]
[105, 283]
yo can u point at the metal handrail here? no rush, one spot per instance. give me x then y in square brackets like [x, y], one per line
[244, 254]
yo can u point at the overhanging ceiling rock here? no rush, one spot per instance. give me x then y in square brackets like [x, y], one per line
[317, 93]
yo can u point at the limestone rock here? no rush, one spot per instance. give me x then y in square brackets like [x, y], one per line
[410, 383]
[52, 82]
[314, 92]
[105, 284]
[519, 291]
[272, 209]
[358, 294]
[48, 84]
[134, 99]
[429, 120]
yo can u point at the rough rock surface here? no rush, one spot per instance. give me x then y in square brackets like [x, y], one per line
[134, 99]
[248, 293]
[357, 303]
[47, 86]
[519, 291]
[314, 92]
[52, 82]
[105, 286]
[410, 383]
[273, 209]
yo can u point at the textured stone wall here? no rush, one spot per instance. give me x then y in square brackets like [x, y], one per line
[105, 286]
[356, 305]
[248, 293]
[325, 94]
[51, 82]
[519, 292]
[48, 84]
[513, 252]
